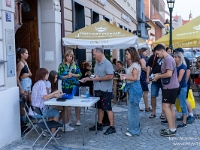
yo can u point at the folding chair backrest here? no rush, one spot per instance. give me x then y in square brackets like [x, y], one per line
[24, 104]
[30, 122]
[36, 110]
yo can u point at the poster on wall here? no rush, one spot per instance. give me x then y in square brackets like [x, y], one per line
[10, 53]
[8, 16]
[9, 37]
[10, 64]
[8, 3]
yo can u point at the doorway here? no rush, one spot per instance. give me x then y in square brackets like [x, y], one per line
[27, 36]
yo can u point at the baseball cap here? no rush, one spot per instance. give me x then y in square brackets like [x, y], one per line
[179, 50]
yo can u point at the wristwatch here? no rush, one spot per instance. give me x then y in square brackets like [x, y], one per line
[92, 76]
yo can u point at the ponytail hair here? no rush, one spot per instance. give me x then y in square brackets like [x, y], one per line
[20, 51]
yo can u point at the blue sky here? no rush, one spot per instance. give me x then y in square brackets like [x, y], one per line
[183, 7]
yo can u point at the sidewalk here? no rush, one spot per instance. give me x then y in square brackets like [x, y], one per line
[149, 138]
[197, 98]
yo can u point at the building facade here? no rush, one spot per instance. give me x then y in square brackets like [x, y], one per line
[151, 34]
[81, 13]
[9, 93]
[155, 11]
[142, 27]
[38, 26]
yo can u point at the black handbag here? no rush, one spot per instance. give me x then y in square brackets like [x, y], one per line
[166, 80]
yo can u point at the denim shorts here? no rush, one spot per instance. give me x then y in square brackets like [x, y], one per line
[155, 88]
[50, 113]
[26, 84]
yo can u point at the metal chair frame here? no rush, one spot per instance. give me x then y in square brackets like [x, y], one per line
[32, 124]
[47, 127]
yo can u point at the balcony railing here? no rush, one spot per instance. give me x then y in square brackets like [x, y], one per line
[157, 16]
[159, 5]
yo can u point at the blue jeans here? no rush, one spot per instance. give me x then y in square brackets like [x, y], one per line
[182, 99]
[134, 90]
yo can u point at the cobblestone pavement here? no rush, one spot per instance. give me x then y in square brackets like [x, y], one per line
[186, 138]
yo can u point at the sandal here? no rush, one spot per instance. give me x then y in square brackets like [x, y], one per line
[58, 136]
[148, 109]
[152, 116]
[141, 109]
[162, 116]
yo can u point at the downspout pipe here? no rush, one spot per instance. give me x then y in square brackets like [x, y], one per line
[62, 27]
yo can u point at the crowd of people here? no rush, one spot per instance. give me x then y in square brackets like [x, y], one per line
[165, 71]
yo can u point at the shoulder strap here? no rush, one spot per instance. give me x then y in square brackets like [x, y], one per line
[154, 60]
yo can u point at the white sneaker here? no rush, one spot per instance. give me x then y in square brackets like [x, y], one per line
[128, 134]
[78, 123]
[67, 128]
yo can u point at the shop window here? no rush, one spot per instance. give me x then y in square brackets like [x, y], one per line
[122, 54]
[79, 16]
[94, 17]
[107, 19]
[125, 28]
[78, 23]
[107, 51]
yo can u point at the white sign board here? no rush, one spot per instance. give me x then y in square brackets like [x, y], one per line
[10, 55]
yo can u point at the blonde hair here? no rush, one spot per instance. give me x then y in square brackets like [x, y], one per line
[69, 53]
[181, 57]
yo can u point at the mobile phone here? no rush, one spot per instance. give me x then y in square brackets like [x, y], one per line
[61, 99]
[151, 77]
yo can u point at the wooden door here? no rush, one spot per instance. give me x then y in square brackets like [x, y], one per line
[27, 35]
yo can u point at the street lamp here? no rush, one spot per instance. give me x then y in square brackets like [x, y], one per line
[170, 6]
[166, 26]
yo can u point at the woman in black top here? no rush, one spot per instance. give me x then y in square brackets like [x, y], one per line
[86, 72]
[23, 72]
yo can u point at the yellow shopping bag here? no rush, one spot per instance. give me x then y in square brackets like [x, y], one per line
[178, 106]
[191, 99]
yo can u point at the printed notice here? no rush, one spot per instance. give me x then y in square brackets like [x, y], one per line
[10, 64]
[8, 16]
[10, 55]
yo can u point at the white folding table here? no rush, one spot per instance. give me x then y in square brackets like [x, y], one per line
[77, 102]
